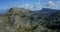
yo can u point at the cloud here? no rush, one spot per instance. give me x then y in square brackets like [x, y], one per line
[37, 6]
[53, 5]
[27, 6]
[50, 4]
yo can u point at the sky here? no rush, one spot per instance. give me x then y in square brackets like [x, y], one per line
[30, 4]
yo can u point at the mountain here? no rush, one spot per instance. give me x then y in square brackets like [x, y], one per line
[51, 18]
[24, 20]
[49, 10]
[48, 18]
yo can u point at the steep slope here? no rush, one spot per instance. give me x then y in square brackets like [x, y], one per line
[48, 18]
[14, 18]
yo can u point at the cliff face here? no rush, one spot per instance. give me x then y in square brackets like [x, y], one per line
[23, 20]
